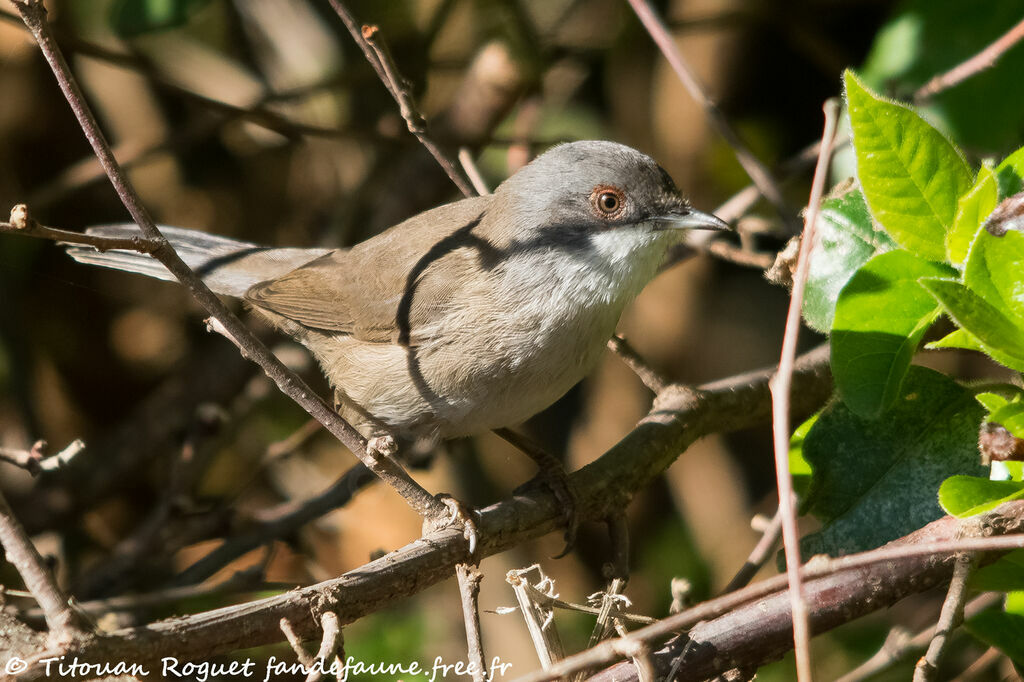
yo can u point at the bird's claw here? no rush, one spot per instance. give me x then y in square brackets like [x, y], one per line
[457, 514]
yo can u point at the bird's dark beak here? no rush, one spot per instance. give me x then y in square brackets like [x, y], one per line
[690, 219]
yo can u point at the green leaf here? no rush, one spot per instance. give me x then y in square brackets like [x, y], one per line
[911, 175]
[1000, 336]
[881, 315]
[875, 480]
[957, 338]
[991, 401]
[963, 496]
[971, 211]
[131, 18]
[799, 469]
[995, 270]
[1004, 575]
[1010, 416]
[846, 240]
[984, 113]
[1010, 174]
[1000, 629]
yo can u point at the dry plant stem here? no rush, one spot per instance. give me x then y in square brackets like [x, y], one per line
[469, 589]
[644, 371]
[760, 175]
[762, 551]
[34, 16]
[296, 643]
[893, 652]
[781, 386]
[950, 618]
[329, 644]
[539, 618]
[905, 559]
[976, 64]
[679, 417]
[376, 53]
[60, 619]
[32, 229]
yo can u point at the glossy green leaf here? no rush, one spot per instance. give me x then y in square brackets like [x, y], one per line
[911, 175]
[799, 469]
[877, 479]
[991, 401]
[846, 239]
[1000, 336]
[995, 270]
[1000, 629]
[1010, 416]
[1004, 575]
[1010, 174]
[926, 37]
[963, 496]
[971, 211]
[881, 315]
[957, 338]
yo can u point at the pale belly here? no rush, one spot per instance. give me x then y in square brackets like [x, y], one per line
[477, 380]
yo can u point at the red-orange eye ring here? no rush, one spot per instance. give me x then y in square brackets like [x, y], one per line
[607, 201]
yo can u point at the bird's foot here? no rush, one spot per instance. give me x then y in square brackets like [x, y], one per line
[458, 515]
[382, 446]
[555, 479]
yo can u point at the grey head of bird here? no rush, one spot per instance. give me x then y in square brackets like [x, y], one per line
[602, 204]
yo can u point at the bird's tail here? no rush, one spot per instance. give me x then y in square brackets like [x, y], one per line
[228, 266]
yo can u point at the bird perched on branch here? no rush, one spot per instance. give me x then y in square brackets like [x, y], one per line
[471, 316]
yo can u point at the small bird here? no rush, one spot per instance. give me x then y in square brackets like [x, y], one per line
[469, 317]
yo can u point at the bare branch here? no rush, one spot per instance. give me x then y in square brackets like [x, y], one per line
[949, 619]
[762, 551]
[376, 52]
[973, 66]
[60, 619]
[781, 388]
[469, 588]
[34, 16]
[898, 644]
[644, 371]
[766, 184]
[33, 460]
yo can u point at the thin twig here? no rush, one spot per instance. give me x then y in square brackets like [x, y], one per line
[644, 371]
[34, 16]
[469, 578]
[904, 550]
[473, 172]
[296, 643]
[757, 171]
[376, 53]
[61, 620]
[971, 67]
[33, 460]
[780, 386]
[950, 617]
[758, 556]
[30, 228]
[898, 645]
[329, 645]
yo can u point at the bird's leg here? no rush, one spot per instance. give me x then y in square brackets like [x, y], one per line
[553, 475]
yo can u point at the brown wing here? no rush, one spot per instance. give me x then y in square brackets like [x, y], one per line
[388, 288]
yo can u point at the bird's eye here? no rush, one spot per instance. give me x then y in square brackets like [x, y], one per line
[607, 200]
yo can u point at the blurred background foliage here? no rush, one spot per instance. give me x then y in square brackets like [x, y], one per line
[260, 119]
